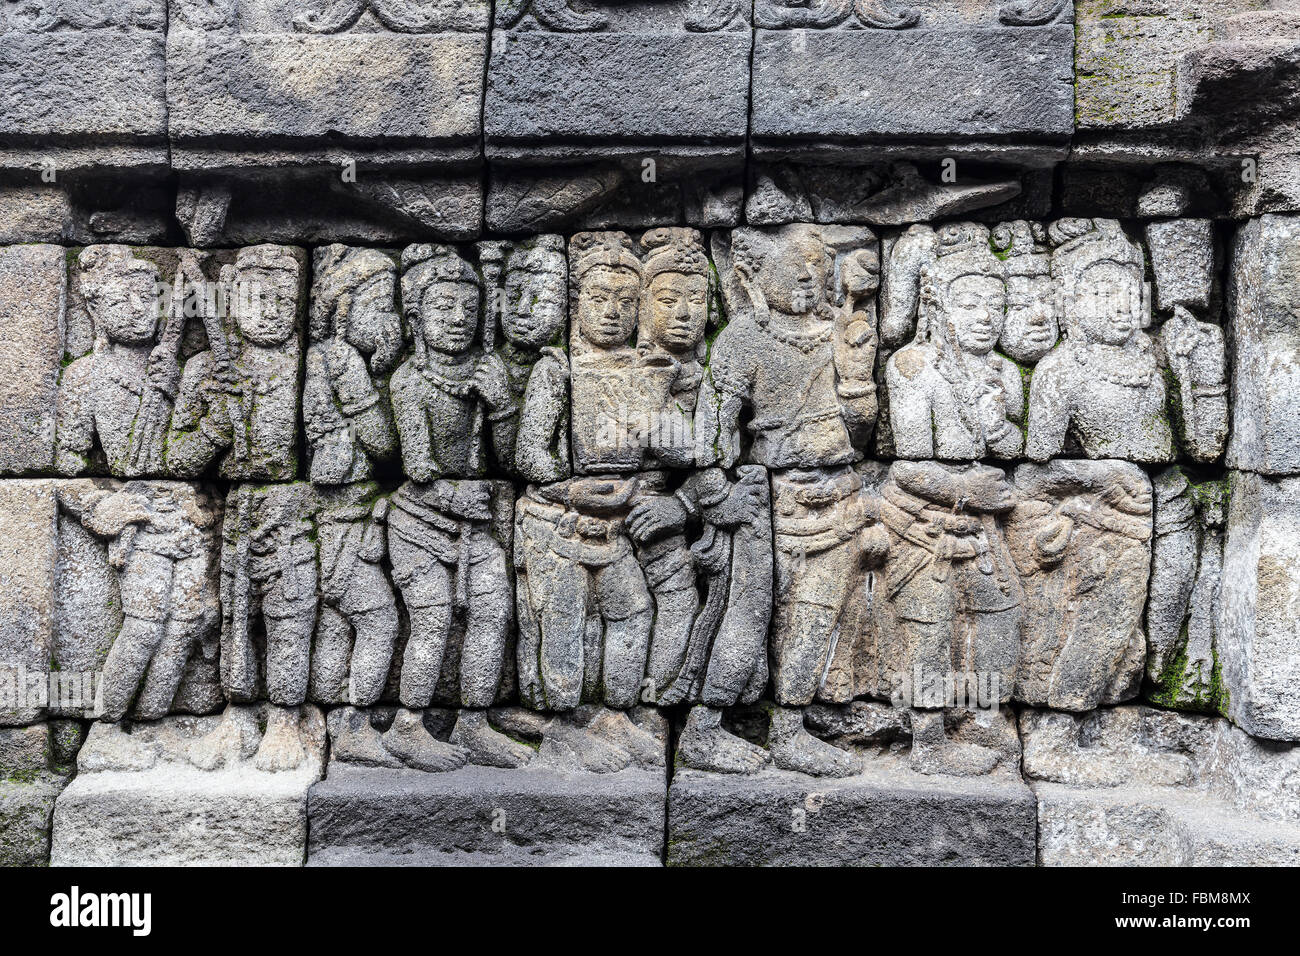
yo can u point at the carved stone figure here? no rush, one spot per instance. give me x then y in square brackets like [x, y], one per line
[238, 401]
[711, 653]
[949, 601]
[450, 397]
[800, 363]
[163, 547]
[357, 627]
[1182, 610]
[1081, 537]
[1102, 391]
[533, 441]
[103, 396]
[1030, 331]
[453, 577]
[950, 395]
[802, 366]
[269, 577]
[586, 612]
[356, 339]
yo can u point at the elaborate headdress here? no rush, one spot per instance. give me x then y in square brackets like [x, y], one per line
[1024, 248]
[341, 269]
[613, 250]
[962, 249]
[672, 250]
[1083, 243]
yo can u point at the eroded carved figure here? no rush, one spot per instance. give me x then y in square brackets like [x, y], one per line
[356, 339]
[949, 602]
[951, 396]
[163, 548]
[1081, 537]
[452, 396]
[528, 295]
[798, 355]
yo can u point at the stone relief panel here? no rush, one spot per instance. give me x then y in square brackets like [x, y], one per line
[192, 365]
[640, 313]
[1065, 308]
[648, 588]
[1183, 634]
[1080, 535]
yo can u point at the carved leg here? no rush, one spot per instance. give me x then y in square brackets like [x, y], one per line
[329, 657]
[625, 605]
[487, 629]
[372, 654]
[288, 651]
[167, 668]
[558, 590]
[126, 663]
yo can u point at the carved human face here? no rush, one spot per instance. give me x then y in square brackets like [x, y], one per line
[976, 307]
[125, 306]
[678, 309]
[1108, 303]
[1030, 330]
[265, 310]
[534, 307]
[607, 306]
[449, 316]
[794, 275]
[371, 325]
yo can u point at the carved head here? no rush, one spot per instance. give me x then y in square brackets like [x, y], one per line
[535, 294]
[609, 288]
[1101, 276]
[789, 269]
[1031, 326]
[963, 294]
[674, 290]
[440, 291]
[266, 300]
[355, 296]
[121, 293]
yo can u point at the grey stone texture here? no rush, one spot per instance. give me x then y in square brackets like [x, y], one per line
[183, 791]
[1134, 786]
[1263, 320]
[628, 431]
[886, 815]
[830, 81]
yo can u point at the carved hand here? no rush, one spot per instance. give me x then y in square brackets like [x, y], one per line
[492, 383]
[656, 517]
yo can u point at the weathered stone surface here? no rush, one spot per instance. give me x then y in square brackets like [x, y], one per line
[152, 397]
[188, 791]
[34, 768]
[625, 78]
[885, 816]
[640, 312]
[1081, 536]
[84, 84]
[1183, 262]
[1182, 610]
[819, 89]
[32, 299]
[28, 516]
[880, 195]
[364, 816]
[1140, 787]
[1257, 620]
[275, 82]
[1264, 325]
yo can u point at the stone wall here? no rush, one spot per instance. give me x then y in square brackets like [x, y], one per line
[554, 431]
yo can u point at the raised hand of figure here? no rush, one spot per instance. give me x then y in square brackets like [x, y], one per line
[656, 517]
[492, 383]
[743, 504]
[114, 512]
